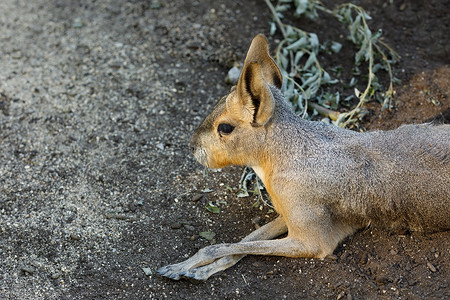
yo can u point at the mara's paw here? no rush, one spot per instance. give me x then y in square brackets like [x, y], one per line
[170, 271]
[176, 272]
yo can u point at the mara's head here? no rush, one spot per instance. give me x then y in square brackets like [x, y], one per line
[234, 131]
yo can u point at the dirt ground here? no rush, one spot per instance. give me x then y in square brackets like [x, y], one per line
[98, 100]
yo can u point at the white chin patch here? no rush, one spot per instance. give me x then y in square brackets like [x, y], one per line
[200, 156]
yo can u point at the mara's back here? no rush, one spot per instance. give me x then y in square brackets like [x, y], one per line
[402, 177]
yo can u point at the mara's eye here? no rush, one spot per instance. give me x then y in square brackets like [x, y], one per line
[225, 128]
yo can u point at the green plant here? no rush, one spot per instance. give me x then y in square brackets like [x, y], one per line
[305, 83]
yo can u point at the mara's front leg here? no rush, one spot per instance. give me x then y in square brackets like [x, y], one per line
[199, 267]
[312, 233]
[191, 267]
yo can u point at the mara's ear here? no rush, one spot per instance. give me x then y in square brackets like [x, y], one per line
[254, 101]
[259, 52]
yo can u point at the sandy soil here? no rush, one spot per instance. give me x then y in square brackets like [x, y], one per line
[98, 100]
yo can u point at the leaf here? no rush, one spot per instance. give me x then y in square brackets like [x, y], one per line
[354, 29]
[242, 194]
[298, 56]
[298, 44]
[212, 208]
[311, 59]
[223, 202]
[283, 61]
[366, 16]
[282, 8]
[229, 188]
[368, 33]
[289, 31]
[314, 40]
[346, 12]
[385, 104]
[337, 96]
[348, 98]
[310, 80]
[147, 271]
[336, 47]
[326, 77]
[273, 28]
[301, 5]
[378, 34]
[209, 235]
[362, 52]
[377, 67]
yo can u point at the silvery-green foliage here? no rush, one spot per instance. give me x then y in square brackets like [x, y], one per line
[299, 51]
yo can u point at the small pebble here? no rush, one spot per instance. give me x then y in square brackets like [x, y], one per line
[189, 227]
[156, 4]
[28, 269]
[412, 282]
[382, 279]
[431, 267]
[115, 65]
[364, 258]
[132, 206]
[175, 225]
[256, 220]
[233, 76]
[197, 197]
[75, 236]
[16, 55]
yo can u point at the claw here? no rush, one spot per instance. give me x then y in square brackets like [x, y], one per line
[161, 271]
[191, 277]
[166, 272]
[186, 274]
[174, 277]
[175, 272]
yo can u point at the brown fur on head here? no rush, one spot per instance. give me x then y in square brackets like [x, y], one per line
[234, 128]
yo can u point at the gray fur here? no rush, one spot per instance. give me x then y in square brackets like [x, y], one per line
[397, 179]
